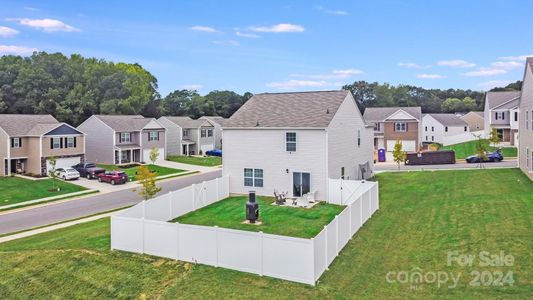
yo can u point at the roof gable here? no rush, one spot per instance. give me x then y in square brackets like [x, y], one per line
[400, 115]
[63, 129]
[25, 125]
[494, 99]
[380, 114]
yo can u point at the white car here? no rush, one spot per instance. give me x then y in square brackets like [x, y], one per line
[67, 173]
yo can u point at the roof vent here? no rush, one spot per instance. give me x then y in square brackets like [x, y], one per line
[327, 110]
[257, 124]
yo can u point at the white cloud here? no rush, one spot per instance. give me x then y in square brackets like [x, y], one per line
[484, 72]
[7, 32]
[335, 74]
[455, 63]
[508, 64]
[203, 28]
[46, 25]
[16, 50]
[247, 35]
[347, 73]
[227, 43]
[191, 86]
[332, 12]
[278, 28]
[430, 76]
[519, 58]
[494, 83]
[292, 84]
[31, 8]
[413, 65]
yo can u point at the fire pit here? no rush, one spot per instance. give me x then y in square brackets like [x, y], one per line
[252, 208]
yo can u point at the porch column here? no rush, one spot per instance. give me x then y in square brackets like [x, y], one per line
[188, 153]
[8, 167]
[131, 156]
[119, 157]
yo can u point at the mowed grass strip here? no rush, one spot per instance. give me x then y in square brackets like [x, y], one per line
[422, 216]
[207, 161]
[132, 171]
[289, 221]
[16, 189]
[466, 149]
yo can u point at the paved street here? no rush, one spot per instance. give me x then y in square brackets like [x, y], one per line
[390, 166]
[60, 212]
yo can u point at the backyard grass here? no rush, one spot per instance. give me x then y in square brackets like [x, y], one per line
[208, 161]
[422, 216]
[289, 221]
[132, 171]
[466, 149]
[16, 189]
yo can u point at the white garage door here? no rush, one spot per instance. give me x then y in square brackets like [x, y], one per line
[205, 148]
[146, 155]
[407, 145]
[65, 162]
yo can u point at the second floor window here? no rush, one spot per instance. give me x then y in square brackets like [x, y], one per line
[446, 129]
[500, 115]
[185, 132]
[400, 127]
[358, 137]
[290, 141]
[516, 116]
[125, 137]
[206, 133]
[16, 142]
[56, 143]
[153, 136]
[71, 142]
[466, 128]
[377, 127]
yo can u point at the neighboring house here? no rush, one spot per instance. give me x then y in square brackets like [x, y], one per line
[186, 136]
[501, 113]
[444, 129]
[475, 120]
[122, 139]
[395, 123]
[218, 123]
[296, 142]
[27, 142]
[525, 151]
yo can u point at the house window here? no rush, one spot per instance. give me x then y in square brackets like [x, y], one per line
[185, 132]
[432, 128]
[500, 115]
[70, 142]
[358, 137]
[432, 138]
[153, 136]
[342, 172]
[124, 156]
[377, 127]
[290, 141]
[516, 116]
[209, 132]
[203, 133]
[426, 128]
[56, 143]
[16, 143]
[466, 128]
[125, 137]
[445, 129]
[527, 120]
[427, 138]
[400, 127]
[253, 177]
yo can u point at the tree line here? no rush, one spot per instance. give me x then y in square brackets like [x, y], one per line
[73, 88]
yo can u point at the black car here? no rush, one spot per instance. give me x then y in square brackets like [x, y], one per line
[88, 170]
[495, 156]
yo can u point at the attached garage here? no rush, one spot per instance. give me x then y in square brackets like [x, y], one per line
[208, 147]
[407, 145]
[63, 162]
[146, 155]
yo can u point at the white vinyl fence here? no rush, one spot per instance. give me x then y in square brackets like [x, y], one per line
[462, 138]
[296, 259]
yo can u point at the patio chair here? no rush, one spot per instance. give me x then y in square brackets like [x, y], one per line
[280, 198]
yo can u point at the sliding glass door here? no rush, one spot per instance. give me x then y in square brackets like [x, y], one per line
[301, 183]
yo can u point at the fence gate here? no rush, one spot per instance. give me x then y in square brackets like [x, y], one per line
[345, 191]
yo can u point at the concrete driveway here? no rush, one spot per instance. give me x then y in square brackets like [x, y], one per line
[101, 186]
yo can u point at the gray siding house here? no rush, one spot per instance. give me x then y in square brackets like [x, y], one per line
[296, 142]
[122, 139]
[525, 149]
[186, 136]
[218, 123]
[501, 113]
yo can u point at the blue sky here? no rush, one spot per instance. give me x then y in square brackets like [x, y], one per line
[267, 46]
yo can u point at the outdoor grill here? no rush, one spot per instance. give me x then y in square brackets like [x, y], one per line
[252, 208]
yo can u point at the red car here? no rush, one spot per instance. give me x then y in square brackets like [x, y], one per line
[113, 177]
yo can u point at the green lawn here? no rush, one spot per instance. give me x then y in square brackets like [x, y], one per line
[132, 171]
[290, 221]
[422, 216]
[464, 150]
[208, 161]
[16, 189]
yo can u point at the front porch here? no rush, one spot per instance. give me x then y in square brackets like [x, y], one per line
[16, 165]
[188, 147]
[127, 155]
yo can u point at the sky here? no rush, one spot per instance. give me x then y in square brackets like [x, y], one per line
[277, 46]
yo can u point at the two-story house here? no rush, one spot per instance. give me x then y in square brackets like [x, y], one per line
[444, 128]
[122, 139]
[218, 123]
[501, 113]
[395, 123]
[475, 120]
[525, 148]
[186, 136]
[29, 142]
[295, 142]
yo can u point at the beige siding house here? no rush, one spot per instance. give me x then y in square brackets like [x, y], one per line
[296, 142]
[28, 142]
[525, 149]
[475, 120]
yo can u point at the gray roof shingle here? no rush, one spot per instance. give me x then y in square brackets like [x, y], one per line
[288, 110]
[449, 119]
[26, 125]
[217, 119]
[186, 122]
[125, 123]
[379, 114]
[498, 98]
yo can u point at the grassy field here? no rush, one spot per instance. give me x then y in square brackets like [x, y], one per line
[422, 216]
[16, 189]
[208, 161]
[464, 150]
[131, 171]
[290, 221]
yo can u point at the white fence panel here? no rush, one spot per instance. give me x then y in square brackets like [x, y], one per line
[366, 207]
[181, 202]
[331, 239]
[321, 263]
[288, 258]
[158, 208]
[197, 244]
[239, 250]
[344, 228]
[160, 239]
[335, 192]
[374, 198]
[461, 138]
[223, 187]
[127, 234]
[210, 190]
[133, 212]
[356, 209]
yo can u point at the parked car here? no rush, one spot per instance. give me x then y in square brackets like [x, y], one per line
[67, 173]
[88, 170]
[215, 152]
[113, 177]
[495, 156]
